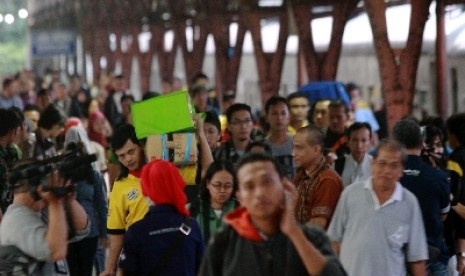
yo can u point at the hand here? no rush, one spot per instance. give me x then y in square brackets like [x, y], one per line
[288, 222]
[53, 180]
[461, 265]
[107, 273]
[198, 123]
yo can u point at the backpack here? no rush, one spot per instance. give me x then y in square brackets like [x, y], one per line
[13, 262]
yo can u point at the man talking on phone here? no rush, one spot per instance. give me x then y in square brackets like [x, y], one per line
[263, 236]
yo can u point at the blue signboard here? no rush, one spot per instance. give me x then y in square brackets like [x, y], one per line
[53, 42]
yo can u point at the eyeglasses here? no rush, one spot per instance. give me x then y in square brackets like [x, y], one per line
[220, 186]
[240, 122]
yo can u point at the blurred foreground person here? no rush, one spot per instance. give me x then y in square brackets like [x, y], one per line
[263, 237]
[166, 241]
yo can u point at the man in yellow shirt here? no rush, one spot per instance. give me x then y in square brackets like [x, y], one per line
[299, 105]
[127, 204]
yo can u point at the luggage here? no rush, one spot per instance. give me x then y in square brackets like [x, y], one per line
[178, 148]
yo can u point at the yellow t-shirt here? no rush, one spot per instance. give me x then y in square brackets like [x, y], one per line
[293, 131]
[188, 173]
[127, 205]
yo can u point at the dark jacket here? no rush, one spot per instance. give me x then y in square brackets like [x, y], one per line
[232, 253]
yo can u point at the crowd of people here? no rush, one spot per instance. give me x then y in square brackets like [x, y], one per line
[305, 188]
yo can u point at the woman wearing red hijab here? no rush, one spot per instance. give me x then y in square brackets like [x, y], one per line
[156, 245]
[99, 128]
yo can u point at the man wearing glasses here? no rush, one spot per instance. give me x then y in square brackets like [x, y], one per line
[378, 228]
[240, 124]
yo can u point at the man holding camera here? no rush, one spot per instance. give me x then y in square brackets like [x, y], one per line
[43, 236]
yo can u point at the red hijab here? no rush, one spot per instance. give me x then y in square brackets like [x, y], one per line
[93, 135]
[162, 183]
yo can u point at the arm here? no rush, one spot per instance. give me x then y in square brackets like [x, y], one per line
[205, 151]
[77, 214]
[336, 246]
[57, 230]
[57, 235]
[418, 268]
[459, 209]
[460, 259]
[312, 259]
[115, 244]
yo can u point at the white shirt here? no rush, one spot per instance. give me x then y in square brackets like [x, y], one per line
[355, 172]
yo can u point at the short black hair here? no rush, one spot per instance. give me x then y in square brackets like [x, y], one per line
[31, 107]
[149, 95]
[128, 97]
[122, 135]
[230, 95]
[7, 82]
[356, 126]
[259, 157]
[43, 92]
[339, 104]
[19, 114]
[196, 89]
[296, 95]
[351, 86]
[408, 132]
[212, 118]
[51, 116]
[8, 121]
[253, 144]
[237, 107]
[274, 101]
[197, 76]
[456, 125]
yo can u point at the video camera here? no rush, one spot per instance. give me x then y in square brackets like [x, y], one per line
[74, 164]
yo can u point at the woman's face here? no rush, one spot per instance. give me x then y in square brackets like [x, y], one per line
[220, 187]
[212, 134]
[93, 107]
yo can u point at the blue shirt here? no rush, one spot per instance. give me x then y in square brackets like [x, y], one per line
[147, 240]
[431, 187]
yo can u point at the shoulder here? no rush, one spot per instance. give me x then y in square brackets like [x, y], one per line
[329, 175]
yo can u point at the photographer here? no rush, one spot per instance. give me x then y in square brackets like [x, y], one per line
[40, 232]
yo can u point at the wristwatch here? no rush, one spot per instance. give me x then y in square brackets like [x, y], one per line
[460, 254]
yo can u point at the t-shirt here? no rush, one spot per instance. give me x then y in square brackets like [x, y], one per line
[378, 237]
[432, 190]
[126, 204]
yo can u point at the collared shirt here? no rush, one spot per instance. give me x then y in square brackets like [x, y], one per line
[354, 171]
[9, 102]
[396, 196]
[384, 237]
[293, 130]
